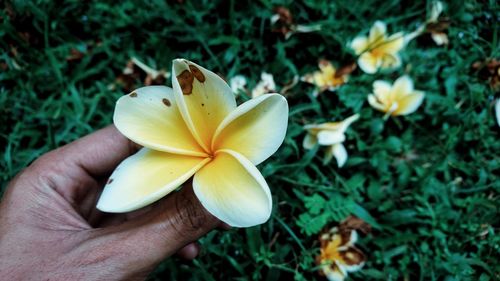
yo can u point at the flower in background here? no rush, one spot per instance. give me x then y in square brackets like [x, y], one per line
[265, 85]
[238, 84]
[378, 50]
[327, 78]
[331, 134]
[489, 69]
[282, 22]
[397, 99]
[338, 255]
[195, 129]
[434, 25]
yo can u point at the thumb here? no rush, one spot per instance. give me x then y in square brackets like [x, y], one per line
[147, 239]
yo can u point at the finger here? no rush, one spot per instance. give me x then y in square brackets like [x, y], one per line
[75, 170]
[190, 251]
[98, 153]
[173, 223]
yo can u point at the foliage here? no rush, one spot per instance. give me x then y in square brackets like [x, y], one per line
[427, 182]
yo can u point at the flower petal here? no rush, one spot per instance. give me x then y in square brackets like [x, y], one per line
[372, 100]
[402, 86]
[359, 44]
[408, 104]
[377, 32]
[340, 154]
[440, 38]
[390, 61]
[204, 99]
[330, 137]
[348, 121]
[149, 116]
[255, 129]
[393, 44]
[333, 272]
[233, 190]
[369, 63]
[146, 177]
[309, 141]
[382, 90]
[352, 259]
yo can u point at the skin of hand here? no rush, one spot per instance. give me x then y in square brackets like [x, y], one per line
[51, 230]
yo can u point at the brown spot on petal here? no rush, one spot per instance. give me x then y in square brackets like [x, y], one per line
[109, 181]
[197, 73]
[133, 95]
[186, 82]
[166, 102]
[353, 256]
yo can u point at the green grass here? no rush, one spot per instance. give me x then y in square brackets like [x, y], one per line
[427, 183]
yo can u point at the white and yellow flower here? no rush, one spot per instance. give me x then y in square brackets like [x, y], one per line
[238, 84]
[196, 129]
[378, 50]
[326, 78]
[338, 255]
[398, 99]
[332, 135]
[265, 85]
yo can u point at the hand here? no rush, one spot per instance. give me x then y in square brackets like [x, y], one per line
[50, 228]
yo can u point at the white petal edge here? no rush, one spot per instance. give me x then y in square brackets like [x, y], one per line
[309, 141]
[372, 100]
[330, 137]
[160, 174]
[235, 214]
[243, 141]
[409, 103]
[340, 154]
[368, 63]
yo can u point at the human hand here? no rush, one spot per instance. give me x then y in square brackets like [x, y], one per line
[50, 228]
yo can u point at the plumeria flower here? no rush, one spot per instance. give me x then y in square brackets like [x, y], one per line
[434, 25]
[238, 84]
[378, 50]
[196, 129]
[332, 135]
[397, 99]
[326, 78]
[338, 255]
[265, 85]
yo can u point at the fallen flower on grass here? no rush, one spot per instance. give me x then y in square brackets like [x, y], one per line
[338, 254]
[378, 50]
[265, 85]
[332, 135]
[137, 70]
[327, 78]
[434, 25]
[283, 23]
[238, 84]
[196, 129]
[398, 99]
